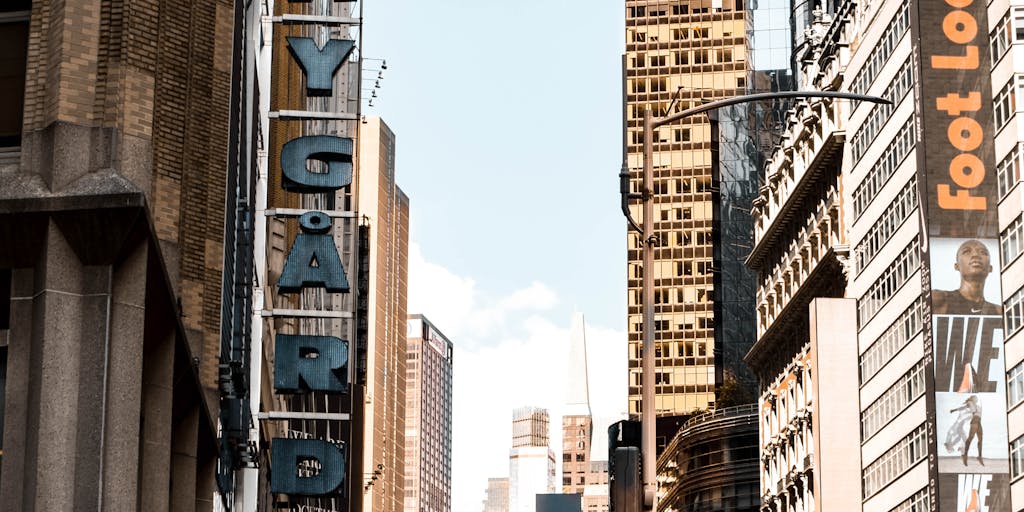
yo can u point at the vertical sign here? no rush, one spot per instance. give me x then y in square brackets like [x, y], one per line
[311, 465]
[968, 450]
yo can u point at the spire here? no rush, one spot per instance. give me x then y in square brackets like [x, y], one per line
[578, 391]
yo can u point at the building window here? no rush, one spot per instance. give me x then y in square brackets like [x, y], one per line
[890, 465]
[1013, 312]
[1011, 241]
[880, 114]
[891, 220]
[1000, 38]
[916, 503]
[880, 55]
[1005, 103]
[1008, 170]
[891, 341]
[1017, 458]
[14, 22]
[884, 168]
[891, 280]
[892, 402]
[1015, 385]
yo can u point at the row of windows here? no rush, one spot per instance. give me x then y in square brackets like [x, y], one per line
[897, 212]
[1006, 33]
[890, 281]
[899, 87]
[1008, 170]
[890, 465]
[1015, 385]
[1011, 240]
[880, 55]
[679, 349]
[1013, 309]
[891, 341]
[683, 57]
[1005, 102]
[1017, 457]
[901, 394]
[680, 9]
[886, 165]
[916, 503]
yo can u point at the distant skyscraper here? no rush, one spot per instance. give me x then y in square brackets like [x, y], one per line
[428, 418]
[579, 473]
[384, 239]
[497, 495]
[531, 461]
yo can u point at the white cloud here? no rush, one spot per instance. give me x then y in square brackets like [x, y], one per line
[510, 351]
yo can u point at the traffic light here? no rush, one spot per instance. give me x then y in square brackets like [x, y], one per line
[625, 486]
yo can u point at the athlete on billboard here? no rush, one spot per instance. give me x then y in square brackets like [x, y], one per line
[974, 264]
[970, 414]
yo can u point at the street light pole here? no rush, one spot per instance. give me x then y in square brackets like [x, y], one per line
[650, 240]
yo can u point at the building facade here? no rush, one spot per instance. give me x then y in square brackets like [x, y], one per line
[582, 472]
[428, 418]
[496, 499]
[711, 463]
[678, 53]
[935, 320]
[706, 174]
[117, 126]
[531, 461]
[384, 209]
[801, 256]
[869, 202]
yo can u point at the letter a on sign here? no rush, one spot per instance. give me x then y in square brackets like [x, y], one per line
[310, 363]
[313, 261]
[319, 64]
[335, 152]
[323, 462]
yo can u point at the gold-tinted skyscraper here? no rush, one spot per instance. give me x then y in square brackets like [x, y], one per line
[384, 210]
[678, 54]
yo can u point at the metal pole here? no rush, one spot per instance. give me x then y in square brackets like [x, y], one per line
[648, 412]
[649, 240]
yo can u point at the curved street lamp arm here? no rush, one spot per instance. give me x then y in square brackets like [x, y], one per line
[713, 105]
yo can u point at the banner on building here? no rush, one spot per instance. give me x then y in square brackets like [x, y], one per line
[966, 396]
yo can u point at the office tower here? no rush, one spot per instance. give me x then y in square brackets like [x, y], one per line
[115, 135]
[428, 418]
[712, 463]
[497, 495]
[918, 250]
[531, 461]
[580, 474]
[678, 55]
[936, 328]
[384, 209]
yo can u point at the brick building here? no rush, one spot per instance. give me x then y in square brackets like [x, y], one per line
[112, 234]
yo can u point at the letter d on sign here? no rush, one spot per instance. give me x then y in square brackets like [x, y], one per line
[310, 363]
[306, 467]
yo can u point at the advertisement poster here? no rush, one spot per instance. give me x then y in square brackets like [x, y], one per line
[969, 376]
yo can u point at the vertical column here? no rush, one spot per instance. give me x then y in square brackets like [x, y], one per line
[124, 382]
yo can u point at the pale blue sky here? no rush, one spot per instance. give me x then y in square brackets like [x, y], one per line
[507, 121]
[507, 117]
